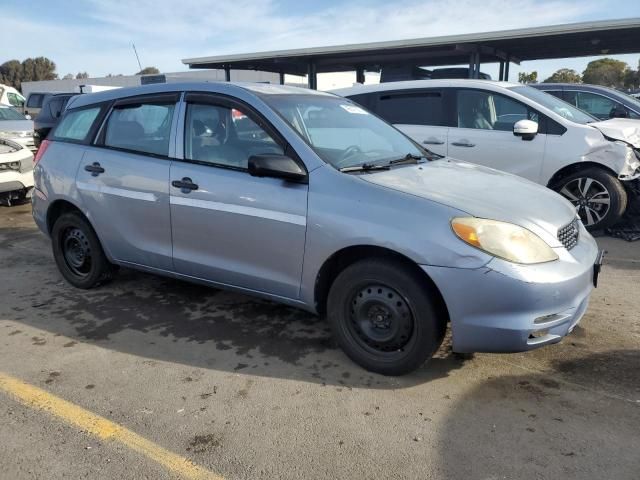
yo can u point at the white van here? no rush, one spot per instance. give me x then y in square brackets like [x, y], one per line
[521, 130]
[11, 96]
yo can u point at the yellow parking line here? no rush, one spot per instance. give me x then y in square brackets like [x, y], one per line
[37, 398]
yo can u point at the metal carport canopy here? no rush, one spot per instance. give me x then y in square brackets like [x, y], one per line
[608, 37]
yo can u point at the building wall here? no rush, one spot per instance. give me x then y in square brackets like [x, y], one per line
[134, 80]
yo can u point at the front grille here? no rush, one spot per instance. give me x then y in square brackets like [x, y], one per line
[568, 235]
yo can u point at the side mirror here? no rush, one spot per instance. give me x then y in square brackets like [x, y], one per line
[276, 166]
[27, 116]
[527, 129]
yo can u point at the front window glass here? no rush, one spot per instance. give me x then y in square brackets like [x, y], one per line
[7, 113]
[341, 132]
[143, 128]
[486, 110]
[76, 124]
[35, 100]
[594, 104]
[225, 136]
[560, 107]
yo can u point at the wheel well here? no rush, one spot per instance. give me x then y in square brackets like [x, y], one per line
[58, 208]
[348, 256]
[576, 167]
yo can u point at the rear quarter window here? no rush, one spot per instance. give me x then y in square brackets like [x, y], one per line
[76, 124]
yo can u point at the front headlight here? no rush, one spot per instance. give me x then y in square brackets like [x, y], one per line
[505, 240]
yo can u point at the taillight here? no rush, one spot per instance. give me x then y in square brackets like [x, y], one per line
[43, 147]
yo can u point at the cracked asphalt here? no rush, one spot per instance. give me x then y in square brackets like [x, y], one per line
[249, 389]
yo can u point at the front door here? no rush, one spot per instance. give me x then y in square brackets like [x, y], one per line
[484, 134]
[124, 181]
[229, 227]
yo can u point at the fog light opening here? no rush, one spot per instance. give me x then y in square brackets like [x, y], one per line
[538, 334]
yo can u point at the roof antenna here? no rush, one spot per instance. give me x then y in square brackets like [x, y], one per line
[137, 57]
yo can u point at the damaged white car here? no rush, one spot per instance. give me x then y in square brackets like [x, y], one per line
[16, 172]
[521, 130]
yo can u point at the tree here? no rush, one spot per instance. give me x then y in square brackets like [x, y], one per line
[82, 75]
[524, 77]
[564, 75]
[148, 71]
[606, 71]
[11, 73]
[39, 68]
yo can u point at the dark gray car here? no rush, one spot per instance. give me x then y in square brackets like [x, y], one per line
[598, 101]
[52, 109]
[307, 199]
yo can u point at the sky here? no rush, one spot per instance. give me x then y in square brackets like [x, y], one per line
[96, 35]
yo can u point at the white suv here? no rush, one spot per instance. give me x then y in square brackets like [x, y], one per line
[521, 130]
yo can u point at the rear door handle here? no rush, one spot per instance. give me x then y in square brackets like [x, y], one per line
[186, 185]
[463, 144]
[94, 168]
[432, 142]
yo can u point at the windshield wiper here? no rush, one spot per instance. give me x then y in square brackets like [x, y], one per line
[408, 158]
[365, 167]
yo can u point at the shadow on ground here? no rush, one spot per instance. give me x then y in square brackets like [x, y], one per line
[175, 321]
[533, 426]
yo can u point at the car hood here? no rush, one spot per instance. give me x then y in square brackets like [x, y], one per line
[625, 129]
[16, 126]
[482, 192]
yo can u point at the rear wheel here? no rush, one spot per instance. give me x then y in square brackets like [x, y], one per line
[383, 316]
[78, 253]
[599, 197]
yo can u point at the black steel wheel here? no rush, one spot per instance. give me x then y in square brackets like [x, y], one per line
[383, 315]
[78, 253]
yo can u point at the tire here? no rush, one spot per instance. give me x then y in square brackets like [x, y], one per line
[384, 316]
[78, 253]
[587, 190]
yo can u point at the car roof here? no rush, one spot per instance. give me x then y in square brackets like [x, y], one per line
[257, 89]
[431, 83]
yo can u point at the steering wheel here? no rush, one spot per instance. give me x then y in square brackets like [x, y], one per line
[348, 153]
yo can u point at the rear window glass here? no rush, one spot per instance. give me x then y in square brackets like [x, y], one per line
[76, 124]
[419, 108]
[143, 128]
[35, 100]
[56, 105]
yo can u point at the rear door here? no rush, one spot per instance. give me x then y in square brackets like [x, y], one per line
[124, 180]
[484, 133]
[229, 227]
[421, 114]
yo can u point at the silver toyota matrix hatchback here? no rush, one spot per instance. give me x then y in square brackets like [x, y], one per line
[305, 198]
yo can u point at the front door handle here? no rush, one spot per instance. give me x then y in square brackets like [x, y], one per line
[186, 185]
[463, 144]
[432, 142]
[94, 168]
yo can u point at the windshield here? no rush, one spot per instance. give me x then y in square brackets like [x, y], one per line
[10, 114]
[341, 132]
[562, 108]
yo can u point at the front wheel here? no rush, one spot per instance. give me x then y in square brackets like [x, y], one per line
[599, 197]
[383, 317]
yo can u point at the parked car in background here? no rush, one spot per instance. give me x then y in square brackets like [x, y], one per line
[11, 96]
[307, 199]
[16, 172]
[521, 130]
[50, 113]
[35, 100]
[598, 101]
[16, 126]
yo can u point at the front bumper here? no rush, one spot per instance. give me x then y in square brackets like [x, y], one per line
[505, 307]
